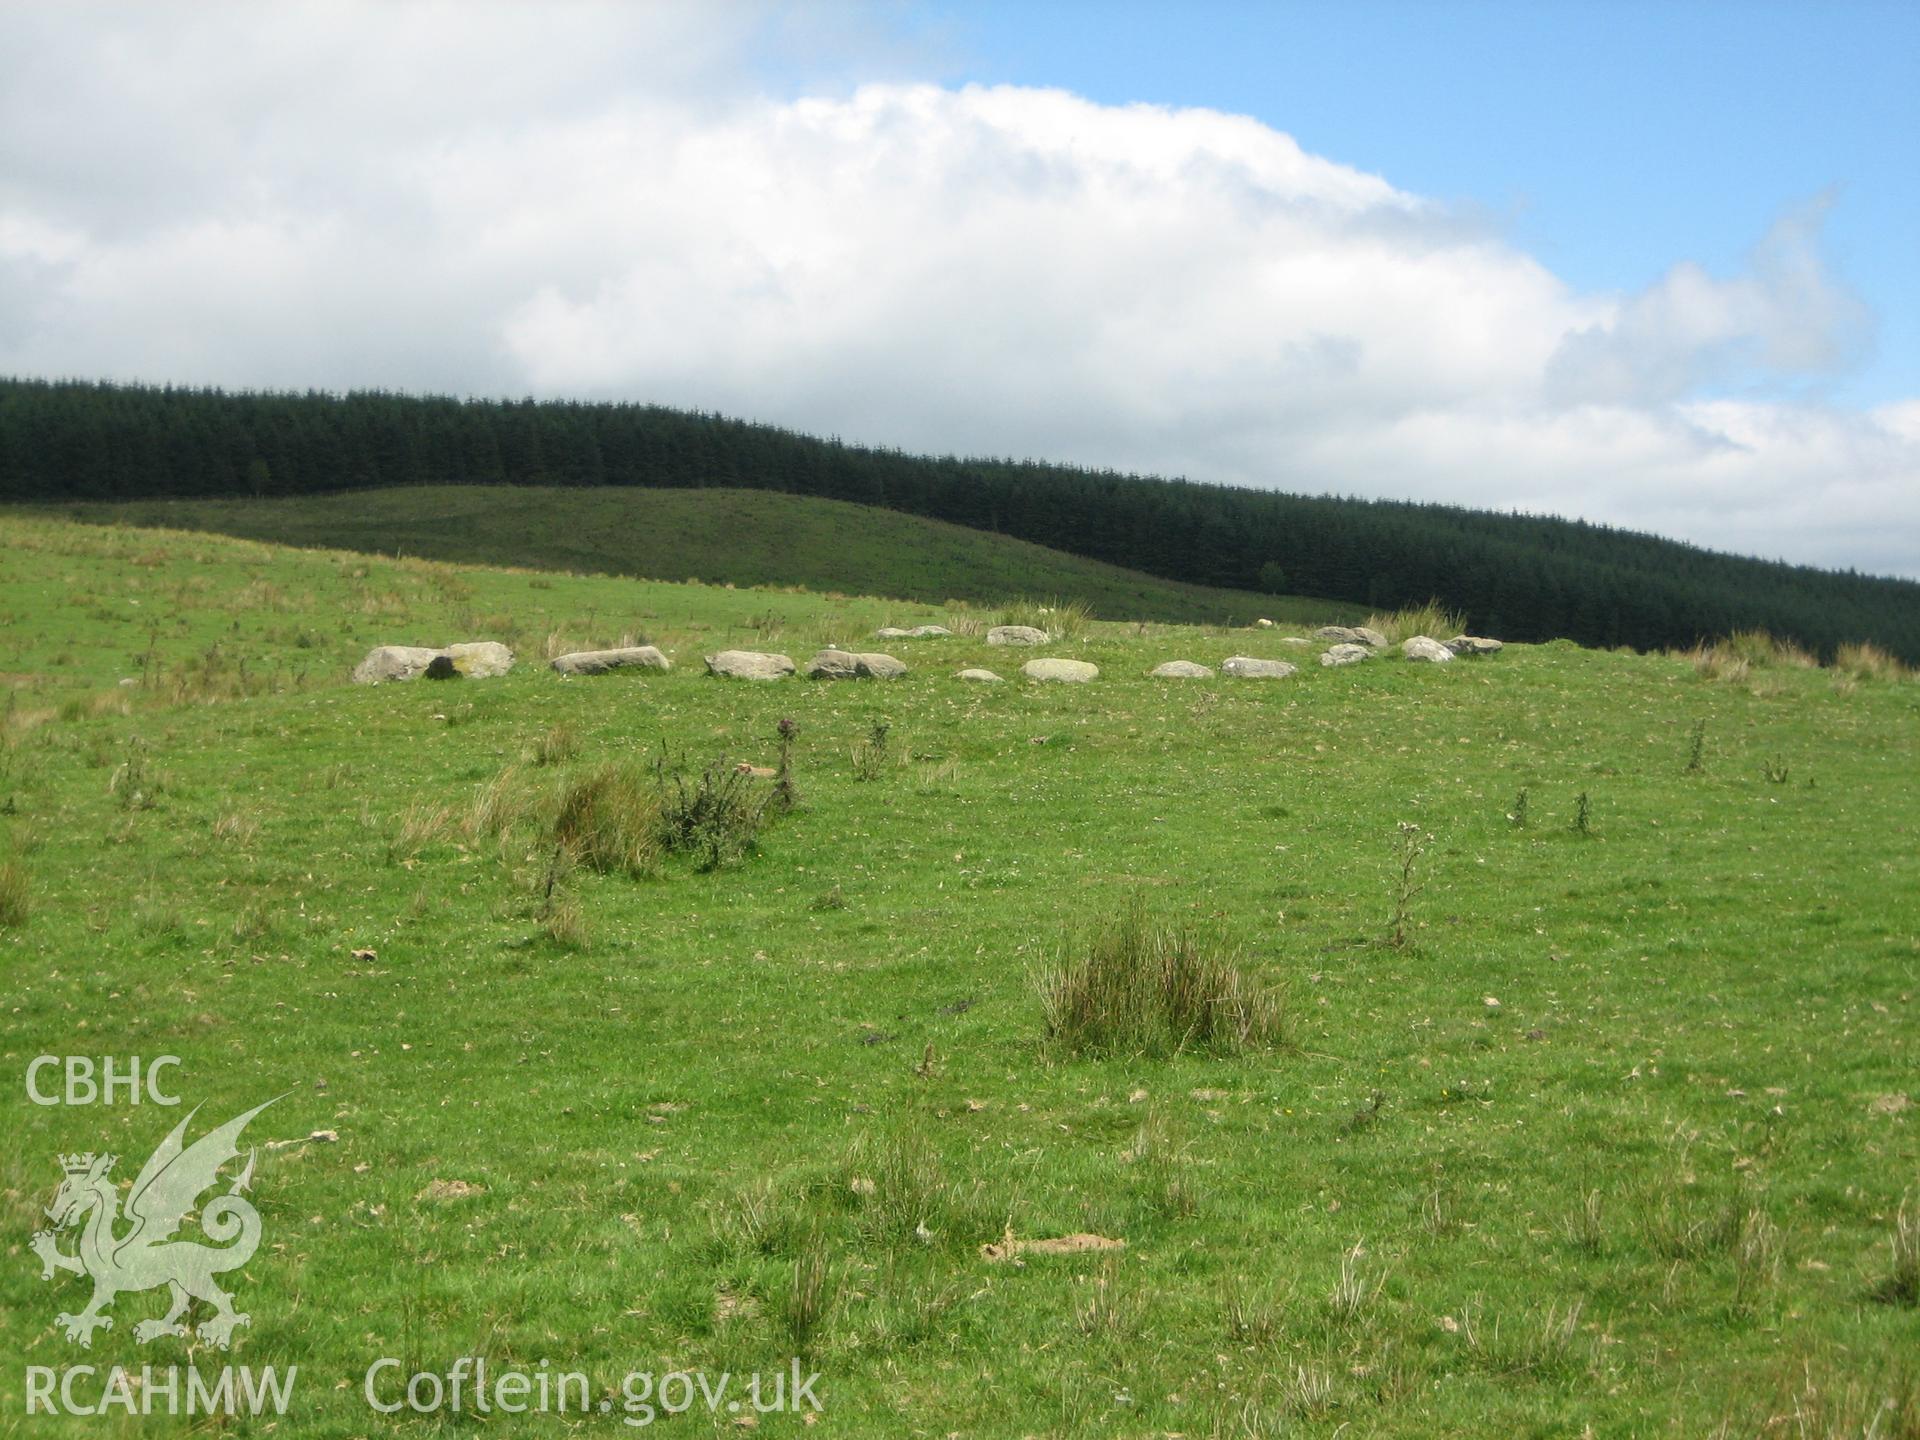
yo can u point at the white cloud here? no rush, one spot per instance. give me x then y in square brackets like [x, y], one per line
[594, 200]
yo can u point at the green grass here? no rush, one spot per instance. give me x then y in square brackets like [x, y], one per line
[1617, 1140]
[738, 537]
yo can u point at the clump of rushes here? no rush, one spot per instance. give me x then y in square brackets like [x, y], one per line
[1140, 988]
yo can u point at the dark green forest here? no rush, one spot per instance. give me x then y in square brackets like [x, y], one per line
[1516, 576]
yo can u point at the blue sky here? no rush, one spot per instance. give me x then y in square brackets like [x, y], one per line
[1609, 138]
[1649, 265]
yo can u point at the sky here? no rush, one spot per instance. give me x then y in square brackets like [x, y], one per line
[1653, 265]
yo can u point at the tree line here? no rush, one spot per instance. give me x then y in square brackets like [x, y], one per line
[1520, 577]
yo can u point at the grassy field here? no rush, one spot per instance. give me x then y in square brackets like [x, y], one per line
[738, 537]
[1614, 1143]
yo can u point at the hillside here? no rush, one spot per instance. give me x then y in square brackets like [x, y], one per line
[737, 537]
[1609, 1131]
[1523, 577]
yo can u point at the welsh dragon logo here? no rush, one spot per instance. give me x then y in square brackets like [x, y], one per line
[165, 1192]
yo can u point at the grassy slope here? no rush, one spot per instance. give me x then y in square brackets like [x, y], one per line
[741, 537]
[1706, 1010]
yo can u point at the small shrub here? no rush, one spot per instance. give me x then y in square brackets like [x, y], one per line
[714, 816]
[610, 820]
[870, 755]
[1517, 814]
[15, 902]
[1583, 817]
[1410, 845]
[786, 795]
[1141, 988]
[1697, 750]
[135, 784]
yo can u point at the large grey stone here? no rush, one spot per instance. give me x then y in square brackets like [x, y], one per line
[1076, 672]
[599, 662]
[476, 660]
[1346, 655]
[393, 662]
[749, 665]
[1343, 634]
[1016, 635]
[481, 659]
[1181, 670]
[1370, 637]
[1474, 645]
[854, 665]
[1245, 667]
[1423, 647]
[983, 677]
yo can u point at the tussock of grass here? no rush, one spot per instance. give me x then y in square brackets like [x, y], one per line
[1062, 619]
[1432, 619]
[1868, 662]
[1901, 1284]
[15, 902]
[1141, 988]
[610, 820]
[555, 746]
[1747, 654]
[903, 1196]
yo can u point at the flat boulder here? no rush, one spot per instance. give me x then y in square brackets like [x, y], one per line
[599, 662]
[1181, 670]
[1346, 655]
[918, 632]
[1263, 623]
[475, 660]
[979, 677]
[1341, 634]
[1016, 635]
[1369, 636]
[1474, 645]
[1245, 667]
[749, 665]
[1424, 647]
[1076, 672]
[1298, 642]
[481, 659]
[394, 662]
[854, 665]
